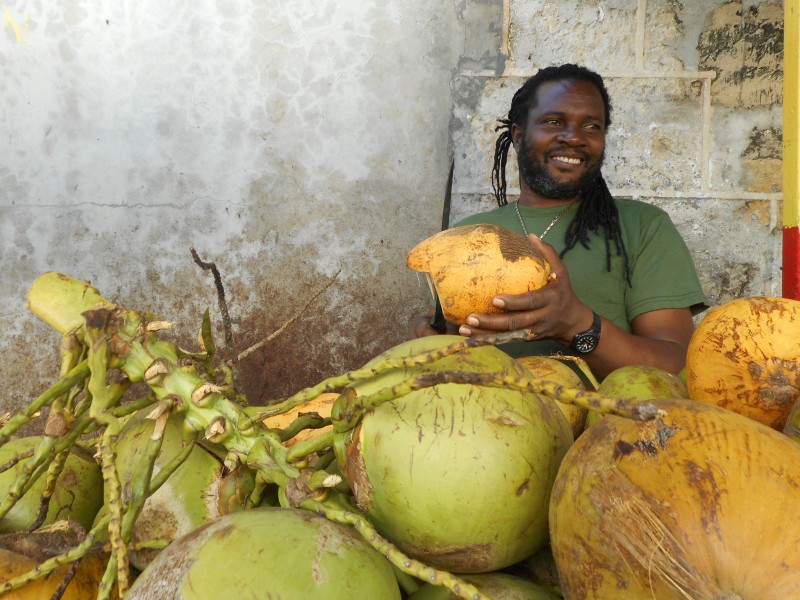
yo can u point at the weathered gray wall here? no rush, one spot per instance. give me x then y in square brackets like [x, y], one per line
[298, 145]
[303, 147]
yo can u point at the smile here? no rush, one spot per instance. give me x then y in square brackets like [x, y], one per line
[567, 159]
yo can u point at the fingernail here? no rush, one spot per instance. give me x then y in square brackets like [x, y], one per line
[464, 330]
[499, 303]
[472, 321]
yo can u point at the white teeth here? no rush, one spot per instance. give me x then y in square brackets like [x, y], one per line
[566, 159]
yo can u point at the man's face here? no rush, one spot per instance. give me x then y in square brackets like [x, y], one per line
[561, 150]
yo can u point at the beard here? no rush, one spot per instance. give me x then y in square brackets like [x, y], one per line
[535, 175]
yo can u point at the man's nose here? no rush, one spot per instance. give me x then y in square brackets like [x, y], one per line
[572, 134]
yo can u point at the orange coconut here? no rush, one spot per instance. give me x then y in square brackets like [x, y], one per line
[466, 266]
[552, 369]
[744, 356]
[689, 505]
[20, 553]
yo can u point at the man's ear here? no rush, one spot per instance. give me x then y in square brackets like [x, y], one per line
[516, 135]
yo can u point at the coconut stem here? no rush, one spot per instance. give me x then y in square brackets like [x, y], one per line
[584, 368]
[124, 340]
[640, 411]
[401, 561]
[339, 382]
[98, 533]
[41, 458]
[75, 376]
[29, 472]
[21, 456]
[117, 568]
[310, 446]
[301, 423]
[53, 473]
[140, 483]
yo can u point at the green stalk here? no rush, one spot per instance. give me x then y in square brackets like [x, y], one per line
[355, 405]
[53, 473]
[401, 561]
[74, 377]
[310, 446]
[301, 423]
[339, 382]
[125, 340]
[40, 459]
[97, 534]
[119, 551]
[21, 456]
[60, 300]
[584, 368]
[97, 325]
[140, 483]
[28, 473]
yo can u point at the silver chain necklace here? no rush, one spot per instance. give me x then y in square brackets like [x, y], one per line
[553, 222]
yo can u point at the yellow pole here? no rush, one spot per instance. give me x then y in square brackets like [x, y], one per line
[791, 155]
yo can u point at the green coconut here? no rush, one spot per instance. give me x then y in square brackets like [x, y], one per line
[639, 382]
[497, 586]
[197, 492]
[78, 493]
[278, 553]
[457, 476]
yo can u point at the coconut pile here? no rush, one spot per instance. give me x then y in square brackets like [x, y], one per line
[442, 468]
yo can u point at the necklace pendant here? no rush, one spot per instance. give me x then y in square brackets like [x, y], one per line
[550, 226]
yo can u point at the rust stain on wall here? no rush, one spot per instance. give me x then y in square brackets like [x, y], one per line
[744, 46]
[762, 161]
[764, 143]
[313, 347]
[754, 211]
[762, 176]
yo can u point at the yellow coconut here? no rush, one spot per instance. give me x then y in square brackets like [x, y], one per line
[321, 405]
[83, 584]
[22, 552]
[552, 369]
[466, 266]
[689, 505]
[744, 356]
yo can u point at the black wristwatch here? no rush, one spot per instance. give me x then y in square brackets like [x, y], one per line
[586, 341]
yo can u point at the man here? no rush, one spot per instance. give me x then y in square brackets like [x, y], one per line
[625, 287]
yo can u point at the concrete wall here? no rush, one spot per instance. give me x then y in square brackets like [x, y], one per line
[303, 147]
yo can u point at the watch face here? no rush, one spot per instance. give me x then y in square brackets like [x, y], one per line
[585, 343]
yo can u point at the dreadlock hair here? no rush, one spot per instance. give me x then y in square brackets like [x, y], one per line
[598, 208]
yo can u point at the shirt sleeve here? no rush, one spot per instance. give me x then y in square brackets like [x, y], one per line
[663, 272]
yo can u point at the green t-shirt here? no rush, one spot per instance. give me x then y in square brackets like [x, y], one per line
[662, 271]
